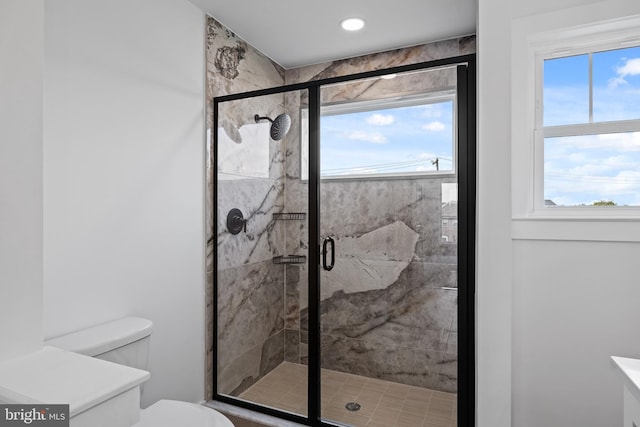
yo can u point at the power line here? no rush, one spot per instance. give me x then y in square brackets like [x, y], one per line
[384, 166]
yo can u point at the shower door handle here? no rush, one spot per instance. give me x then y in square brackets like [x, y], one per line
[325, 246]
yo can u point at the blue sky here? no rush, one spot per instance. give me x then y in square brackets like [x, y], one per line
[581, 170]
[397, 140]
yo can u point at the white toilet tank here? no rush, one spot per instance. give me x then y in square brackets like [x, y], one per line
[126, 342]
[123, 341]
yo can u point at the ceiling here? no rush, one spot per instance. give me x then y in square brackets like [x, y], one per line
[301, 32]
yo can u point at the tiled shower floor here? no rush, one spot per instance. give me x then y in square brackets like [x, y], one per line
[383, 403]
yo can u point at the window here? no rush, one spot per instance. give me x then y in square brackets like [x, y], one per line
[386, 138]
[587, 132]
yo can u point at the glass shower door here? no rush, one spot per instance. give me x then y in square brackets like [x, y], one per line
[389, 245]
[260, 271]
[343, 260]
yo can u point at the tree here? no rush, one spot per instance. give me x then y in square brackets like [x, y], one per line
[604, 203]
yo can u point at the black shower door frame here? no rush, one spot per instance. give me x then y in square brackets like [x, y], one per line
[466, 168]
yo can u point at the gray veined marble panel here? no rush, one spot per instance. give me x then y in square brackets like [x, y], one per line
[394, 333]
[405, 332]
[272, 353]
[250, 308]
[424, 321]
[292, 107]
[396, 316]
[258, 200]
[371, 261]
[241, 372]
[415, 54]
[405, 84]
[296, 241]
[248, 158]
[292, 345]
[452, 343]
[304, 347]
[431, 275]
[247, 368]
[467, 45]
[292, 297]
[297, 197]
[235, 115]
[233, 66]
[404, 365]
[447, 373]
[393, 242]
[352, 208]
[303, 291]
[351, 275]
[357, 207]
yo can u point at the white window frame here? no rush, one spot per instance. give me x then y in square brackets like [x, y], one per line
[582, 41]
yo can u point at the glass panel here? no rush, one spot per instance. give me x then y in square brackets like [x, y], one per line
[261, 253]
[450, 212]
[592, 170]
[616, 85]
[389, 139]
[566, 90]
[389, 306]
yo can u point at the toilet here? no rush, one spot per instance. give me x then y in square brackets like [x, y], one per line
[126, 342]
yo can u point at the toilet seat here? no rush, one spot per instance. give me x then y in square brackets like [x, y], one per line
[173, 413]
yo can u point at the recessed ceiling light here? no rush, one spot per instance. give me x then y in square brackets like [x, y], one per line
[352, 24]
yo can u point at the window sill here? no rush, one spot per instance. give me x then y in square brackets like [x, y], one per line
[594, 229]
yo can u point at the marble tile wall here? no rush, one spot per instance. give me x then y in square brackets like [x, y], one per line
[389, 307]
[250, 177]
[251, 324]
[399, 323]
[377, 61]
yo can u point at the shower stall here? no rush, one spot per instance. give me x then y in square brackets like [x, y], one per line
[344, 247]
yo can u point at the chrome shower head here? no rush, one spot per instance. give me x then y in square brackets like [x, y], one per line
[279, 127]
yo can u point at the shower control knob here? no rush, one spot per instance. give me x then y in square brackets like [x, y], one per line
[236, 222]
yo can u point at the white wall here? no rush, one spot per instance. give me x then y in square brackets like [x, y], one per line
[21, 57]
[493, 288]
[569, 305]
[575, 304]
[123, 177]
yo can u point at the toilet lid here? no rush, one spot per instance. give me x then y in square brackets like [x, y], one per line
[172, 413]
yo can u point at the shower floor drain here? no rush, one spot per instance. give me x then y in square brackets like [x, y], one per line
[353, 406]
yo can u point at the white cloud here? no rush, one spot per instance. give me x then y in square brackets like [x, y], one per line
[614, 82]
[373, 137]
[631, 67]
[619, 142]
[431, 111]
[434, 126]
[380, 119]
[614, 178]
